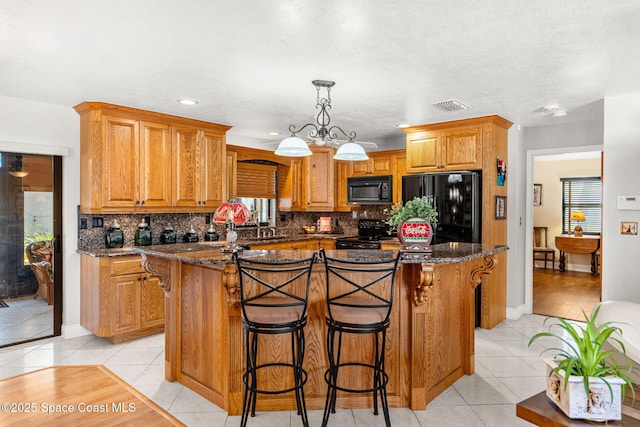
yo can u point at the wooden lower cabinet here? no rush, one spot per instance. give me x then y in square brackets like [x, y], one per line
[119, 300]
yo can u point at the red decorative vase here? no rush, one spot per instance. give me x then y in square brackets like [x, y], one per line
[415, 234]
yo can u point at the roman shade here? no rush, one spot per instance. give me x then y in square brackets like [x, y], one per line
[256, 180]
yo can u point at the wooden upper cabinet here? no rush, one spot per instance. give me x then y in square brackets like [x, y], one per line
[462, 148]
[399, 170]
[378, 164]
[232, 183]
[342, 173]
[185, 166]
[136, 164]
[199, 164]
[128, 161]
[155, 165]
[120, 163]
[458, 148]
[317, 176]
[212, 169]
[423, 152]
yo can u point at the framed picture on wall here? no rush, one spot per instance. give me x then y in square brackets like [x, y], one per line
[537, 194]
[501, 207]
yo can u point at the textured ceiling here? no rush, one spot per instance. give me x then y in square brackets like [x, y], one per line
[250, 63]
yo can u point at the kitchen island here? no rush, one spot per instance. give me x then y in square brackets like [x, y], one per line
[430, 343]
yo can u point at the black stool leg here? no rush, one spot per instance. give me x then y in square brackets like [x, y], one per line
[376, 375]
[382, 380]
[297, 350]
[330, 377]
[248, 404]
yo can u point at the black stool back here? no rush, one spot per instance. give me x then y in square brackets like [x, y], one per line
[274, 296]
[359, 301]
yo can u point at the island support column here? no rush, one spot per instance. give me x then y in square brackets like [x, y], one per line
[442, 324]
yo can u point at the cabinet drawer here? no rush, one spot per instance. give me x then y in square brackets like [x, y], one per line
[126, 265]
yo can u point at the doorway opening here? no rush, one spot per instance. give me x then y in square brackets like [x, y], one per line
[560, 288]
[30, 230]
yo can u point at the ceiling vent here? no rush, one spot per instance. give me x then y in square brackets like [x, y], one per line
[451, 105]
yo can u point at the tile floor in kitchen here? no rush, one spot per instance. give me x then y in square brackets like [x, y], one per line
[507, 371]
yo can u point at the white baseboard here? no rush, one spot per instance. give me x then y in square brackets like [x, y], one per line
[582, 268]
[74, 331]
[515, 313]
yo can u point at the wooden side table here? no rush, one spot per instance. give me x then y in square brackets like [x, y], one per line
[578, 245]
[541, 411]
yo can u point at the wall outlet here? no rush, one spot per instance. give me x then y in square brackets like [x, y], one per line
[207, 219]
[97, 222]
[83, 223]
[147, 219]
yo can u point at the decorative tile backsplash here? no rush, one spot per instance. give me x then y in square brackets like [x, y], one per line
[291, 225]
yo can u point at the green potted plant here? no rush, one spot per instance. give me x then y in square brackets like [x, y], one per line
[413, 221]
[584, 379]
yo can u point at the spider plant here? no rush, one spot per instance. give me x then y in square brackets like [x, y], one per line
[583, 353]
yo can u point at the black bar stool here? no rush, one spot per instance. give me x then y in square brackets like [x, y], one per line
[273, 296]
[359, 301]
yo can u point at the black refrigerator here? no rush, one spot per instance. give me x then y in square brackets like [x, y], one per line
[457, 197]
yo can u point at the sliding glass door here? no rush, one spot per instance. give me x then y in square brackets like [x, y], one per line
[30, 231]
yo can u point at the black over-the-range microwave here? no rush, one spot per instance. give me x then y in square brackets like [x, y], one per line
[370, 190]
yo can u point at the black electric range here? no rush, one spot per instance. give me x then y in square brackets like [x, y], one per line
[370, 233]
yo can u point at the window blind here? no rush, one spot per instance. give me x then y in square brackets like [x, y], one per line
[582, 194]
[256, 180]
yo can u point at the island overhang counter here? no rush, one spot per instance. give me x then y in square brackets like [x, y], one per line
[430, 343]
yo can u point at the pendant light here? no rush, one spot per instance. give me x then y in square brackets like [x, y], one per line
[320, 132]
[351, 152]
[15, 167]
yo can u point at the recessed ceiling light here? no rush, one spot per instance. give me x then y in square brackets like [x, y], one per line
[404, 125]
[550, 108]
[274, 133]
[186, 101]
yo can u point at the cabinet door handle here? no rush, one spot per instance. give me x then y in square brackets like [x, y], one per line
[142, 202]
[137, 202]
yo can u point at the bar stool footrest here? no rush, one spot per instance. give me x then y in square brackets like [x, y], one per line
[246, 375]
[381, 386]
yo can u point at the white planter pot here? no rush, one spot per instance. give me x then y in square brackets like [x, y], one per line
[599, 405]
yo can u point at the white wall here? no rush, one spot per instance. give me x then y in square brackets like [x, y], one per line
[515, 222]
[548, 173]
[27, 126]
[620, 253]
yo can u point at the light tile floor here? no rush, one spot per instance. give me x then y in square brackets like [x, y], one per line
[25, 318]
[507, 371]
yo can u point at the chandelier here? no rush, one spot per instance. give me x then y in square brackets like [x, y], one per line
[321, 133]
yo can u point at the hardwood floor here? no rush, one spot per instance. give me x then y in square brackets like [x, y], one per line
[76, 395]
[564, 294]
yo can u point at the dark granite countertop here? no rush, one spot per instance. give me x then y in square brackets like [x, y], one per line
[211, 252]
[442, 253]
[180, 247]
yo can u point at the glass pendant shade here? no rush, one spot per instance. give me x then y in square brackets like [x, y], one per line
[232, 211]
[293, 147]
[351, 151]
